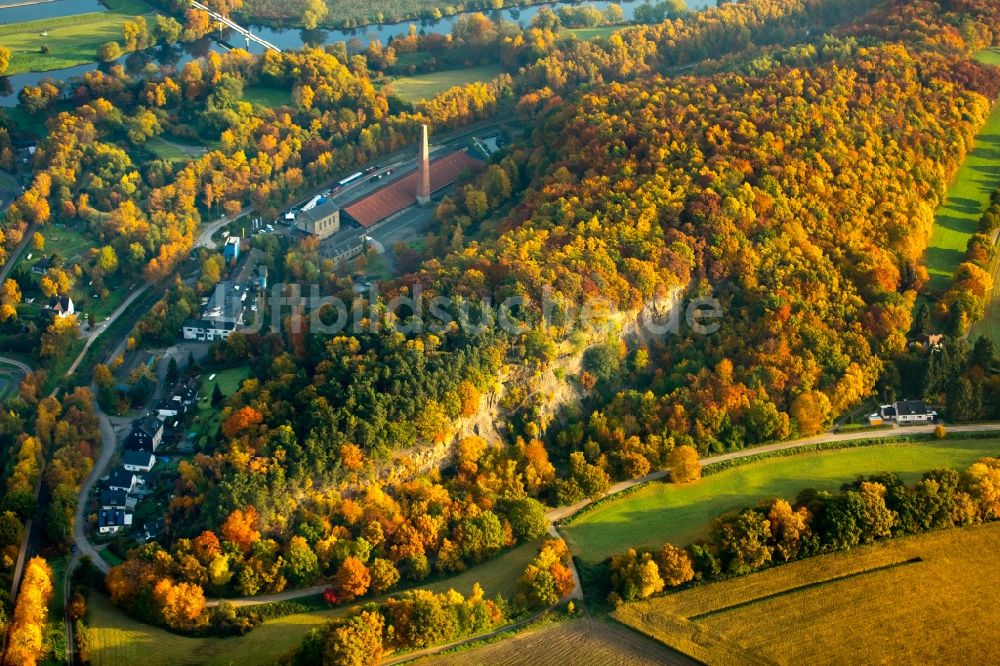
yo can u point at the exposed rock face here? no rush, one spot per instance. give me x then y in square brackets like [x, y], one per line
[552, 385]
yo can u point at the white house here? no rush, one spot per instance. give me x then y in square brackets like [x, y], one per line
[112, 521]
[913, 411]
[903, 412]
[138, 461]
[204, 330]
[121, 479]
[62, 306]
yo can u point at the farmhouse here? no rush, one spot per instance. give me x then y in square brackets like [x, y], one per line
[913, 411]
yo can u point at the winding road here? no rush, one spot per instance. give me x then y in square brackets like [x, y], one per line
[108, 444]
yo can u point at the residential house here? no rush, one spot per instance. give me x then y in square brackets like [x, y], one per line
[42, 266]
[138, 461]
[204, 330]
[146, 434]
[112, 521]
[913, 411]
[122, 479]
[152, 529]
[62, 306]
[114, 499]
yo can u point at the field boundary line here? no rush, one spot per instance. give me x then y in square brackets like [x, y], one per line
[806, 586]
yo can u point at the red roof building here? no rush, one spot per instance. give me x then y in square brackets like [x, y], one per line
[402, 193]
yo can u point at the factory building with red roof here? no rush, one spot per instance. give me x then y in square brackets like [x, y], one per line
[402, 193]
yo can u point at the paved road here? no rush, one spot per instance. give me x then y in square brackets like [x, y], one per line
[12, 259]
[108, 443]
[103, 326]
[23, 367]
[208, 230]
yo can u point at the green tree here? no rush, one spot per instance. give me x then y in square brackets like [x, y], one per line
[743, 542]
[527, 519]
[301, 563]
[217, 396]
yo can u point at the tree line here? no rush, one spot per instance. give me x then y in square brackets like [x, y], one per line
[865, 511]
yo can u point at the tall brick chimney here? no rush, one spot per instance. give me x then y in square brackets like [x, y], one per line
[424, 170]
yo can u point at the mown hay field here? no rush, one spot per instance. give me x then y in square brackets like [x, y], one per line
[924, 599]
[585, 641]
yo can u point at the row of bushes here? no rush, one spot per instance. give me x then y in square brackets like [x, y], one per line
[867, 510]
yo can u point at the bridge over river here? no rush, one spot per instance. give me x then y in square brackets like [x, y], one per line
[225, 21]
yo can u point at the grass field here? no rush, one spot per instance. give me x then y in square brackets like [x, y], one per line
[425, 86]
[116, 639]
[171, 151]
[582, 641]
[957, 218]
[267, 96]
[207, 418]
[989, 56]
[72, 40]
[680, 514]
[584, 34]
[924, 599]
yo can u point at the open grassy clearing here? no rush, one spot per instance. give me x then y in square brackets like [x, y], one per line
[680, 514]
[207, 420]
[72, 40]
[582, 641]
[934, 610]
[117, 639]
[958, 216]
[267, 96]
[989, 56]
[172, 151]
[425, 86]
[584, 34]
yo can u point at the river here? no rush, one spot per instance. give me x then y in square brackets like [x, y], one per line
[284, 38]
